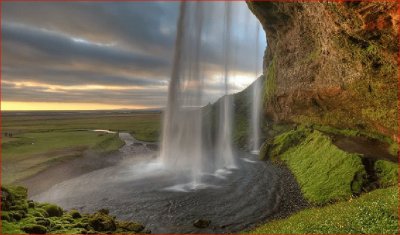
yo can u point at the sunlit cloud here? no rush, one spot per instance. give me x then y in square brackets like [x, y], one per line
[58, 88]
[44, 106]
[114, 54]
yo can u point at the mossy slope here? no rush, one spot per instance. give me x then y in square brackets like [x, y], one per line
[373, 213]
[324, 172]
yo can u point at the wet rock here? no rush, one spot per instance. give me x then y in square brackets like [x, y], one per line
[34, 229]
[104, 211]
[201, 223]
[131, 226]
[146, 231]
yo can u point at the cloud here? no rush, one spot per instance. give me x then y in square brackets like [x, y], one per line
[55, 46]
[120, 51]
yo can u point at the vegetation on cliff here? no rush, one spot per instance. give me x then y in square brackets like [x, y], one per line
[331, 64]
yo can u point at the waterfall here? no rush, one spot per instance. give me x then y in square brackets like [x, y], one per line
[256, 101]
[184, 148]
[224, 140]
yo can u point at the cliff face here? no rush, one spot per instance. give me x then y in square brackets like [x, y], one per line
[331, 64]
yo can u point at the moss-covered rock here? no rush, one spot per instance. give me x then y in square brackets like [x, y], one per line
[130, 226]
[52, 210]
[75, 214]
[49, 218]
[101, 221]
[34, 229]
[13, 197]
[340, 71]
[5, 216]
[43, 221]
[387, 173]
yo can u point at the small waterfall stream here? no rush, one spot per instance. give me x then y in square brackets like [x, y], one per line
[256, 101]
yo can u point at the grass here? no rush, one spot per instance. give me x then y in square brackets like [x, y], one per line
[330, 179]
[387, 173]
[325, 173]
[145, 126]
[40, 140]
[372, 213]
[286, 140]
[31, 153]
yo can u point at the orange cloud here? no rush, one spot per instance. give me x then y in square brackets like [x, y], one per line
[36, 106]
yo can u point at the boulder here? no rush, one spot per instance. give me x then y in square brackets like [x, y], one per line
[53, 210]
[102, 222]
[201, 223]
[34, 229]
[131, 226]
[75, 214]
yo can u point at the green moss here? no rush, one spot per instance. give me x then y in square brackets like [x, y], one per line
[34, 229]
[49, 218]
[52, 210]
[367, 100]
[270, 82]
[333, 130]
[10, 228]
[324, 172]
[394, 148]
[286, 140]
[387, 173]
[372, 213]
[264, 150]
[5, 216]
[130, 226]
[101, 221]
[75, 214]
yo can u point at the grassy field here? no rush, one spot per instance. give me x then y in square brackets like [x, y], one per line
[145, 126]
[41, 139]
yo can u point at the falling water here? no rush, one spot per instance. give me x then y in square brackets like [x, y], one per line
[256, 101]
[184, 148]
[224, 139]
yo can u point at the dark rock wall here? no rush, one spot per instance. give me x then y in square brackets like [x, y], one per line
[331, 64]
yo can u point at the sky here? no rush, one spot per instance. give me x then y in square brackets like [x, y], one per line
[117, 55]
